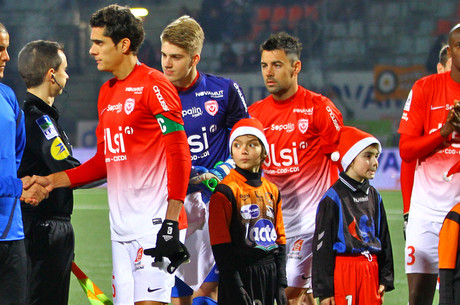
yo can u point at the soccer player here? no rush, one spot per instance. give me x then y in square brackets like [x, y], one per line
[49, 233]
[429, 134]
[12, 250]
[246, 225]
[352, 256]
[407, 169]
[143, 151]
[211, 105]
[300, 126]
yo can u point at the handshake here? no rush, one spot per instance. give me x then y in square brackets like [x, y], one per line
[35, 189]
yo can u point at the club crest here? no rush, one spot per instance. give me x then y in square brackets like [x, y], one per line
[212, 107]
[303, 125]
[129, 105]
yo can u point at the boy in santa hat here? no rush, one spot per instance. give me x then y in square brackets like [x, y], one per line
[352, 256]
[246, 225]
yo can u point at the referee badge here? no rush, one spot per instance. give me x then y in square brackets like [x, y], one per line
[58, 150]
[47, 127]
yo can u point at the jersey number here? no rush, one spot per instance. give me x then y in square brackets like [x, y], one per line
[349, 299]
[411, 256]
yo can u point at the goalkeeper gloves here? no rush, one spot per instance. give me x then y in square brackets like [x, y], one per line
[168, 245]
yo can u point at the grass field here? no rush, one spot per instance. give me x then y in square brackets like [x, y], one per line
[93, 254]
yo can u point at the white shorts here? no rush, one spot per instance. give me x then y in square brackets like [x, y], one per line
[134, 278]
[197, 243]
[299, 260]
[421, 252]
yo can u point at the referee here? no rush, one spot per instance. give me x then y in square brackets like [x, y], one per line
[49, 236]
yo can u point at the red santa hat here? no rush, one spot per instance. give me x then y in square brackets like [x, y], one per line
[250, 126]
[453, 170]
[350, 142]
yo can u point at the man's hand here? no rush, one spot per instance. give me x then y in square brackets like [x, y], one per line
[452, 122]
[381, 292]
[27, 181]
[168, 245]
[33, 191]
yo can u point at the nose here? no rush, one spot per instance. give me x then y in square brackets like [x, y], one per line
[92, 50]
[4, 56]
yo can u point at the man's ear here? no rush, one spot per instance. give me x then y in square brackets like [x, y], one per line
[125, 44]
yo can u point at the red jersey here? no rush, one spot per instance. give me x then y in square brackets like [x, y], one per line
[133, 115]
[425, 112]
[300, 132]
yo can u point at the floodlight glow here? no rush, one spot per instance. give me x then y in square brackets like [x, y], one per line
[139, 11]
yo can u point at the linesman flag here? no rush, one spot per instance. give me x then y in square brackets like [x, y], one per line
[94, 294]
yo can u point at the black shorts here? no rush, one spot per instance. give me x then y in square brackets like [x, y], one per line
[12, 272]
[50, 247]
[259, 281]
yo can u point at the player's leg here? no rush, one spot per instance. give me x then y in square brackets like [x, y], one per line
[421, 259]
[152, 282]
[51, 251]
[298, 270]
[421, 288]
[207, 293]
[13, 271]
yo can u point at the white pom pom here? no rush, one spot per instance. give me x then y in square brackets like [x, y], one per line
[335, 156]
[446, 178]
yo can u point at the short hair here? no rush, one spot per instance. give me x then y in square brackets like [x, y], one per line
[443, 55]
[186, 33]
[283, 41]
[36, 58]
[118, 23]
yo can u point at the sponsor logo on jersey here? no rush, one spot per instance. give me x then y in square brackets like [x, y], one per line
[47, 127]
[115, 143]
[250, 211]
[194, 112]
[138, 265]
[139, 255]
[308, 111]
[58, 150]
[129, 105]
[303, 125]
[263, 235]
[212, 107]
[297, 245]
[333, 118]
[240, 93]
[135, 90]
[116, 108]
[289, 127]
[286, 157]
[408, 102]
[160, 98]
[199, 142]
[212, 94]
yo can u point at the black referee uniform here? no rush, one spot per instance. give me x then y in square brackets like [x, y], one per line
[49, 233]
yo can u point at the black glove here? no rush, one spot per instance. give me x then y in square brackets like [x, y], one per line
[406, 218]
[168, 245]
[280, 296]
[242, 297]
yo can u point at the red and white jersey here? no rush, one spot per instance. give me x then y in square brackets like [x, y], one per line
[134, 149]
[300, 132]
[425, 112]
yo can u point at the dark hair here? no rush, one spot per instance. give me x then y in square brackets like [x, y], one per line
[285, 42]
[443, 55]
[118, 23]
[36, 58]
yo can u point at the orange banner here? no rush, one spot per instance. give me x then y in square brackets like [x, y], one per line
[395, 82]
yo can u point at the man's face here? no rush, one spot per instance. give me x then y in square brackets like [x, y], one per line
[454, 49]
[177, 64]
[279, 74]
[4, 56]
[108, 56]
